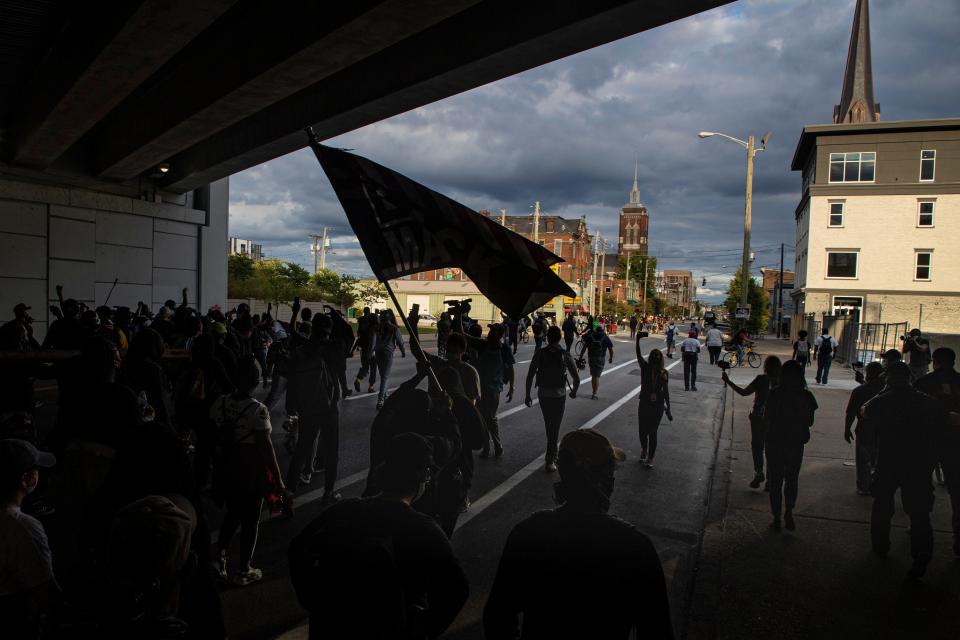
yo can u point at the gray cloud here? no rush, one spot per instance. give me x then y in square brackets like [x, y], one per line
[567, 133]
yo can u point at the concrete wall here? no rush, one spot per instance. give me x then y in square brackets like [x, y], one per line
[83, 240]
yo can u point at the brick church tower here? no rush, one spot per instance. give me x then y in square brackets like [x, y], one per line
[634, 224]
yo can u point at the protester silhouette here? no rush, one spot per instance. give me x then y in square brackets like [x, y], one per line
[760, 388]
[654, 401]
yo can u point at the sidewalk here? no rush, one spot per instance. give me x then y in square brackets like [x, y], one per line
[821, 581]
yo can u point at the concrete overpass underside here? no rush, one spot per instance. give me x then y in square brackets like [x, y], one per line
[134, 108]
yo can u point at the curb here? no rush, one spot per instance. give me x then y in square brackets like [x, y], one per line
[699, 619]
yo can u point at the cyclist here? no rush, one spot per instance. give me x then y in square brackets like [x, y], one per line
[739, 342]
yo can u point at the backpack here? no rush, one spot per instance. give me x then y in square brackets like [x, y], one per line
[226, 431]
[671, 333]
[552, 369]
[360, 564]
[826, 346]
[312, 385]
[802, 349]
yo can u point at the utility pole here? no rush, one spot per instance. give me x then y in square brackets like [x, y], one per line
[646, 269]
[593, 274]
[315, 250]
[323, 250]
[603, 269]
[626, 279]
[780, 295]
[747, 223]
[536, 222]
[503, 217]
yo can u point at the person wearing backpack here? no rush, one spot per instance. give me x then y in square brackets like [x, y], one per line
[671, 338]
[569, 328]
[801, 349]
[788, 416]
[760, 388]
[824, 348]
[314, 393]
[597, 344]
[245, 469]
[550, 366]
[374, 567]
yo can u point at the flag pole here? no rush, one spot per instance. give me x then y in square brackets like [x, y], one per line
[414, 339]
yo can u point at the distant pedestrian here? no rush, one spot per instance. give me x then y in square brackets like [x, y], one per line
[789, 414]
[569, 328]
[824, 349]
[374, 567]
[908, 424]
[690, 353]
[539, 330]
[714, 343]
[494, 363]
[760, 388]
[633, 326]
[654, 401]
[694, 329]
[801, 349]
[944, 385]
[671, 337]
[387, 341]
[550, 366]
[866, 433]
[366, 338]
[576, 571]
[598, 345]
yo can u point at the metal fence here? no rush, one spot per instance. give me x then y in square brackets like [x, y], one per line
[859, 341]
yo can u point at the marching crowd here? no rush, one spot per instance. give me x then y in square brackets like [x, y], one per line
[157, 418]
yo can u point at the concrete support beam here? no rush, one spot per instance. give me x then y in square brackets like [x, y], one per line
[65, 108]
[256, 56]
[474, 47]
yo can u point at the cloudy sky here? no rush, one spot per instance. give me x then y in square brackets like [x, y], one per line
[567, 133]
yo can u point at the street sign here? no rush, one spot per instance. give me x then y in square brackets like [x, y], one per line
[743, 312]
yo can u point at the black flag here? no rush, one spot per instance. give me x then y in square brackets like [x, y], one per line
[405, 228]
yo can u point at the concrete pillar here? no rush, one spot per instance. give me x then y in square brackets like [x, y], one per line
[213, 245]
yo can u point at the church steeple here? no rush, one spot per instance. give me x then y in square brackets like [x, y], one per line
[856, 96]
[635, 192]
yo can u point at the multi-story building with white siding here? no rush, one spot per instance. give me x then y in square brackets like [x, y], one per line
[878, 223]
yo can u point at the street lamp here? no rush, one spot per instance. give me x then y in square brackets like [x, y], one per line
[747, 222]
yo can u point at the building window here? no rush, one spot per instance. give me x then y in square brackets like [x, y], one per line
[836, 214]
[922, 272]
[853, 167]
[925, 215]
[842, 264]
[558, 247]
[928, 164]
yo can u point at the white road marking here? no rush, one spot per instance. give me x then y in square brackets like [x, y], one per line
[342, 483]
[489, 498]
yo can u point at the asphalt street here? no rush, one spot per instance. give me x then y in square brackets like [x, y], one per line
[667, 502]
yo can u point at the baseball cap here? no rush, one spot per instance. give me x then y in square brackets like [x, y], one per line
[588, 449]
[20, 456]
[20, 308]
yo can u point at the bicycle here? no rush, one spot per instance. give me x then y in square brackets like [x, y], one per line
[752, 358]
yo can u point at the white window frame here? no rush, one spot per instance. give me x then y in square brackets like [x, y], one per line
[830, 179]
[917, 266]
[826, 270]
[933, 213]
[843, 213]
[833, 302]
[934, 158]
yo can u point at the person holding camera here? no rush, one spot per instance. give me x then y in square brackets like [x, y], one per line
[918, 348]
[550, 366]
[760, 388]
[654, 401]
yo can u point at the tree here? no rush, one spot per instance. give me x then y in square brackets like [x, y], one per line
[637, 264]
[758, 299]
[370, 292]
[338, 289]
[239, 268]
